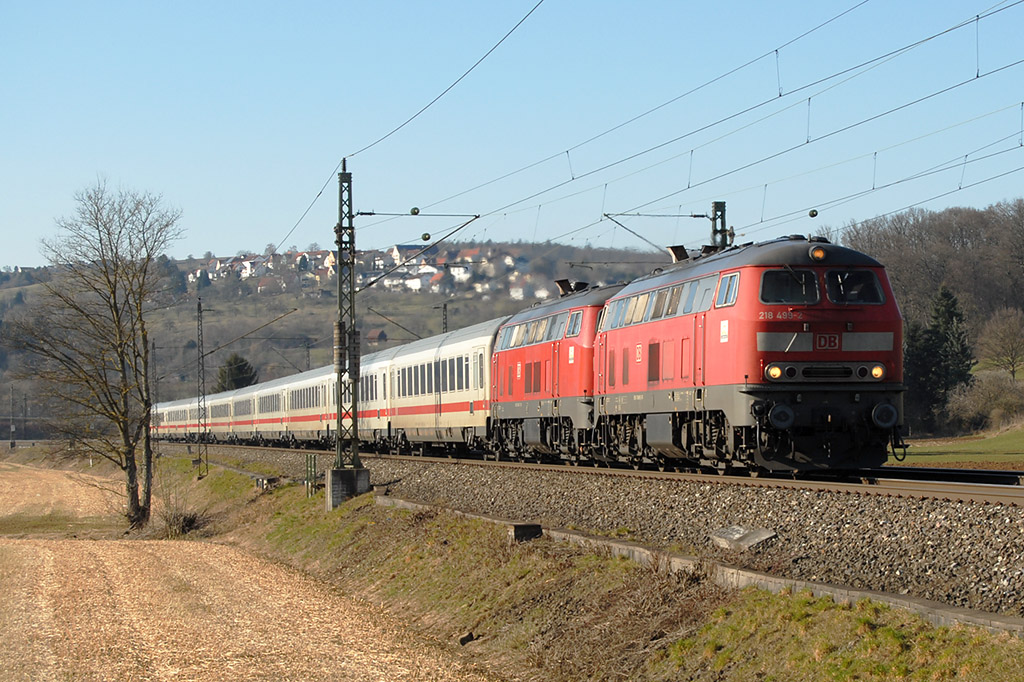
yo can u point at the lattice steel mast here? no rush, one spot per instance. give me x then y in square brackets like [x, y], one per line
[346, 337]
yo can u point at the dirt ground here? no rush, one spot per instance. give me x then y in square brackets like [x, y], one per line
[179, 610]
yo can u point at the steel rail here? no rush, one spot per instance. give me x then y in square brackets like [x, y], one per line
[882, 482]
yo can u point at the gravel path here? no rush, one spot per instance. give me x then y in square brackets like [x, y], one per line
[163, 610]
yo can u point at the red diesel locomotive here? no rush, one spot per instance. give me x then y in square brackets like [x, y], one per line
[784, 355]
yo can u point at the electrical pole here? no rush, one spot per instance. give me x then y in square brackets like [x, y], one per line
[12, 417]
[348, 477]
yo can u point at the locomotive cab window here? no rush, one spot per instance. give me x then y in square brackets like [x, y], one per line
[853, 287]
[727, 290]
[789, 286]
[575, 322]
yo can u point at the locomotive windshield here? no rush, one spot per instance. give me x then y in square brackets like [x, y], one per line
[789, 286]
[850, 287]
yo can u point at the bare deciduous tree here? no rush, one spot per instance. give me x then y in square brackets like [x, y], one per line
[1002, 340]
[87, 333]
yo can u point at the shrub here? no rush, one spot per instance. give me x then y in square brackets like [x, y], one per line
[992, 399]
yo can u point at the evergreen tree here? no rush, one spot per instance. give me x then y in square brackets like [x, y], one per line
[936, 360]
[955, 357]
[235, 373]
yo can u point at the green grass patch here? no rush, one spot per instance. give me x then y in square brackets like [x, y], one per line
[1003, 450]
[761, 636]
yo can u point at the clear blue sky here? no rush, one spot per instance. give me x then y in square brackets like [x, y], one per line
[238, 113]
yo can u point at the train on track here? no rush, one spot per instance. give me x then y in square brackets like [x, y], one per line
[783, 355]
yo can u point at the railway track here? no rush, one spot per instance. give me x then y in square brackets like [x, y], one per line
[958, 485]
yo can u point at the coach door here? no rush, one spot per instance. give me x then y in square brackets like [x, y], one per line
[436, 394]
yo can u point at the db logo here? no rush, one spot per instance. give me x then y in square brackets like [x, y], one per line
[826, 342]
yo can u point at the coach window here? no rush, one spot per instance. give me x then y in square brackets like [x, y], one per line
[727, 290]
[459, 381]
[705, 293]
[653, 362]
[555, 331]
[674, 297]
[658, 309]
[630, 307]
[480, 372]
[853, 287]
[575, 322]
[517, 339]
[615, 311]
[641, 308]
[789, 286]
[693, 297]
[465, 368]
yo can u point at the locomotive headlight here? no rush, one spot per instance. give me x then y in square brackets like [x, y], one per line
[817, 253]
[878, 371]
[774, 372]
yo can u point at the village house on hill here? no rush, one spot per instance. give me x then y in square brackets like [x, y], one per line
[401, 268]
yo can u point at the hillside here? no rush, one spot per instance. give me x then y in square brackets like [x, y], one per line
[278, 310]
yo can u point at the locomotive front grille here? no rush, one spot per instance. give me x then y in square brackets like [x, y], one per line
[827, 372]
[790, 372]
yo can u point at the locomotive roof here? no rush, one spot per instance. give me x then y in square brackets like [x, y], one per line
[595, 295]
[793, 250]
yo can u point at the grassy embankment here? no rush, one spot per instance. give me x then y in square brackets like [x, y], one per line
[559, 613]
[548, 611]
[1002, 450]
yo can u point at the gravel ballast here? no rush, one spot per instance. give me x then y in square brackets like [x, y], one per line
[958, 553]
